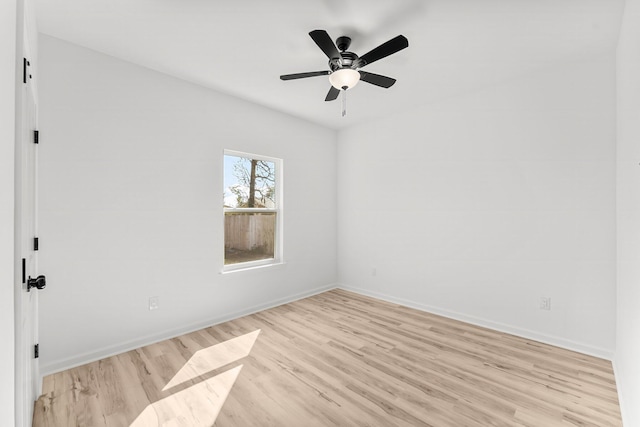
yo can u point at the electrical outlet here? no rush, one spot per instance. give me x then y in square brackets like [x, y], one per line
[154, 303]
[545, 303]
[374, 271]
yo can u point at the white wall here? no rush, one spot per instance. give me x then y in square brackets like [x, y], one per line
[8, 15]
[478, 206]
[628, 219]
[131, 192]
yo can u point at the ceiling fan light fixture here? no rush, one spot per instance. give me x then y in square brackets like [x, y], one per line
[344, 78]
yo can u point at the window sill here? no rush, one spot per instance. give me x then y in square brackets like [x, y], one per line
[277, 265]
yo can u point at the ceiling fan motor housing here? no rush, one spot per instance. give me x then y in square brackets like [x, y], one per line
[347, 60]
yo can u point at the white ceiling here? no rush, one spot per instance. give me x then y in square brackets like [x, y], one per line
[242, 47]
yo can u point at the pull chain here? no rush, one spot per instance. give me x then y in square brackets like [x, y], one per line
[344, 101]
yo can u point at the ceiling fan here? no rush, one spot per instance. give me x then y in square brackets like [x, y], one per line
[344, 66]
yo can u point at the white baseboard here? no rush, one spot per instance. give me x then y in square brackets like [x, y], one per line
[82, 359]
[501, 327]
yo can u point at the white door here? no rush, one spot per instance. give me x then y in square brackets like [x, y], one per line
[28, 386]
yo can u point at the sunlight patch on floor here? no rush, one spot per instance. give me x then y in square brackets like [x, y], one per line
[214, 357]
[196, 406]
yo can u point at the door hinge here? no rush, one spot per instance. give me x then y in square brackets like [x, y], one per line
[25, 70]
[35, 243]
[36, 351]
[24, 271]
[36, 136]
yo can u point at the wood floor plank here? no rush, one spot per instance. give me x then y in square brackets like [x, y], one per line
[336, 359]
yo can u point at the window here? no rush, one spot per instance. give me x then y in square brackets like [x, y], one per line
[252, 210]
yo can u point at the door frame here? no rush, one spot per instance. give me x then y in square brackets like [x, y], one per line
[27, 379]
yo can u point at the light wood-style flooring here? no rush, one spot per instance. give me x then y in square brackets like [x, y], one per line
[336, 359]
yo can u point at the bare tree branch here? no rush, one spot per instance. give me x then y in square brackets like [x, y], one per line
[256, 176]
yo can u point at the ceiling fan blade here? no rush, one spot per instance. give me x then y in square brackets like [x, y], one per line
[392, 46]
[377, 79]
[333, 94]
[304, 75]
[324, 42]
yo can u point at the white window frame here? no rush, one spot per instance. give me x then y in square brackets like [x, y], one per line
[277, 249]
